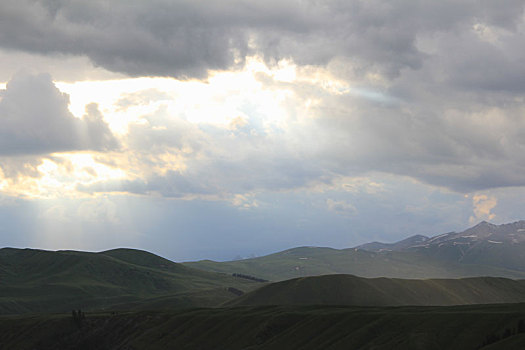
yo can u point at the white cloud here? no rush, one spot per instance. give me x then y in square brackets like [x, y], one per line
[245, 201]
[482, 207]
[341, 207]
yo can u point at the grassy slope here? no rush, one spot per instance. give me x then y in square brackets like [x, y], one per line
[45, 281]
[358, 291]
[306, 327]
[306, 261]
[505, 256]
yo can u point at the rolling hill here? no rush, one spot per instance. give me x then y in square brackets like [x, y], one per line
[133, 299]
[46, 281]
[483, 250]
[358, 291]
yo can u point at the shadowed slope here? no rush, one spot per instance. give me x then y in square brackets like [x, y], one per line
[352, 290]
[45, 281]
[283, 327]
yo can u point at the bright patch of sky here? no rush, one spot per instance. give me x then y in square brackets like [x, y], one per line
[218, 100]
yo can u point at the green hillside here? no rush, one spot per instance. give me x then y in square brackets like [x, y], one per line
[312, 261]
[358, 291]
[118, 290]
[279, 327]
[482, 250]
[46, 281]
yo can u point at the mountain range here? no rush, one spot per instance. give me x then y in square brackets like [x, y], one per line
[483, 250]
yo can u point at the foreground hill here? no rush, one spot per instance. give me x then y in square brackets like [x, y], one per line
[46, 281]
[486, 327]
[358, 291]
[483, 250]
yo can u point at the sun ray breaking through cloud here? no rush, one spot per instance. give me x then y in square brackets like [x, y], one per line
[260, 117]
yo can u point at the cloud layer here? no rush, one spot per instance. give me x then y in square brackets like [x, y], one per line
[35, 120]
[410, 109]
[433, 90]
[186, 39]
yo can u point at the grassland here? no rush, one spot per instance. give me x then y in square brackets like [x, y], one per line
[313, 261]
[275, 327]
[352, 290]
[44, 281]
[136, 300]
[125, 279]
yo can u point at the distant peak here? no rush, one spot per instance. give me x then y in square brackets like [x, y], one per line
[484, 223]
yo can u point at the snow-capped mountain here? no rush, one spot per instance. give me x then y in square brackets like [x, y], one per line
[484, 244]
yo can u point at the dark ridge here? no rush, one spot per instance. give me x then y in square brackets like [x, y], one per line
[358, 291]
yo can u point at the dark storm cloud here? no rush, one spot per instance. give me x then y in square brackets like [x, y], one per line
[35, 120]
[437, 86]
[187, 38]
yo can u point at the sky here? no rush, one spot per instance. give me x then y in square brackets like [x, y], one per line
[236, 128]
